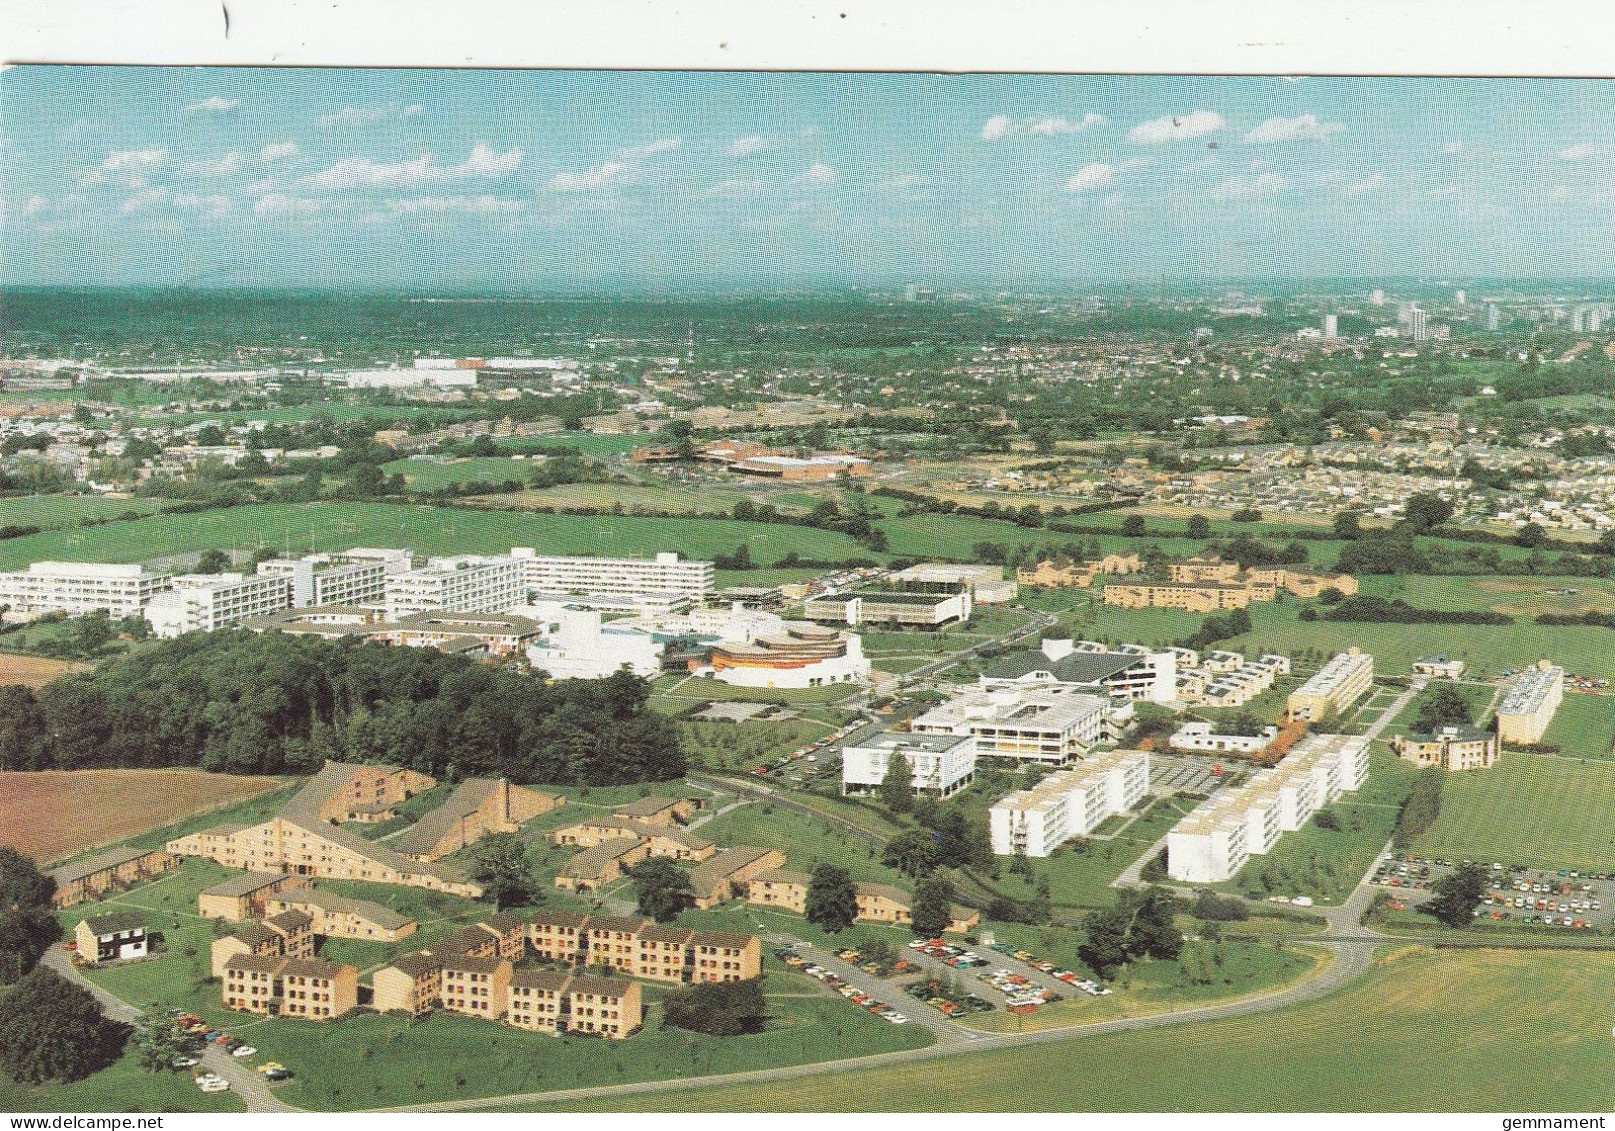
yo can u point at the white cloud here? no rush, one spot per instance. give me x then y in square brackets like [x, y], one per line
[279, 204]
[819, 174]
[735, 188]
[1176, 127]
[143, 200]
[902, 182]
[1365, 186]
[600, 176]
[1244, 188]
[1091, 177]
[1306, 127]
[1452, 147]
[35, 205]
[649, 149]
[995, 127]
[1576, 152]
[354, 116]
[356, 172]
[214, 105]
[485, 204]
[278, 150]
[218, 167]
[122, 159]
[212, 206]
[1445, 192]
[1051, 126]
[746, 146]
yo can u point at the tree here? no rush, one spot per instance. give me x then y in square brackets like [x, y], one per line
[500, 866]
[159, 1042]
[662, 888]
[1246, 514]
[1153, 933]
[1458, 893]
[719, 1009]
[28, 923]
[1133, 526]
[897, 787]
[51, 1029]
[933, 906]
[1347, 525]
[832, 898]
[1443, 706]
[1532, 535]
[1199, 527]
[1426, 510]
[213, 561]
[914, 853]
[1104, 946]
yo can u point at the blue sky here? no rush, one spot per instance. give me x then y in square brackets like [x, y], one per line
[606, 180]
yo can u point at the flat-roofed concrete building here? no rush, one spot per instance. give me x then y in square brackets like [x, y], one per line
[330, 579]
[1068, 803]
[938, 764]
[470, 583]
[1451, 748]
[206, 602]
[1529, 704]
[111, 870]
[1131, 672]
[986, 583]
[75, 588]
[1337, 685]
[1051, 726]
[898, 608]
[664, 573]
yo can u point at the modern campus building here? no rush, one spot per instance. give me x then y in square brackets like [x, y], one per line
[478, 807]
[336, 916]
[986, 583]
[1529, 704]
[286, 934]
[626, 577]
[1131, 672]
[799, 655]
[1058, 573]
[1451, 748]
[305, 837]
[499, 635]
[939, 764]
[1214, 841]
[470, 583]
[1202, 738]
[1069, 803]
[642, 949]
[333, 579]
[576, 645]
[114, 937]
[1337, 685]
[877, 903]
[307, 988]
[111, 870]
[205, 602]
[1048, 725]
[75, 588]
[897, 608]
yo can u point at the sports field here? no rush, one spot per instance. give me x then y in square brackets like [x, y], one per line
[51, 814]
[53, 512]
[428, 475]
[696, 499]
[1529, 809]
[426, 530]
[34, 671]
[1384, 1044]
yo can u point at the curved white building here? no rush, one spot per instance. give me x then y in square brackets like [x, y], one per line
[798, 655]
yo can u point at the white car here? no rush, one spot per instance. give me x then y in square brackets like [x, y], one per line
[186, 1062]
[896, 1018]
[210, 1082]
[244, 1050]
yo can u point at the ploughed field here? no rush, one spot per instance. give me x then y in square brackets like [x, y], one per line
[34, 671]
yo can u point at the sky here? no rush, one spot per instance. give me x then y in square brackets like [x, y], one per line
[660, 181]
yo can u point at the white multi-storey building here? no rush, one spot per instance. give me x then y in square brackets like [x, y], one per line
[1050, 725]
[939, 764]
[330, 579]
[577, 646]
[1529, 704]
[466, 584]
[81, 587]
[1130, 671]
[203, 602]
[1069, 803]
[1220, 835]
[1337, 685]
[665, 573]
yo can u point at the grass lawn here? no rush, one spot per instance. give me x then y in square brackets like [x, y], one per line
[698, 499]
[805, 840]
[1324, 863]
[1583, 726]
[122, 1086]
[429, 475]
[1512, 596]
[1528, 809]
[426, 530]
[738, 747]
[1487, 649]
[370, 1060]
[692, 689]
[54, 512]
[1383, 1044]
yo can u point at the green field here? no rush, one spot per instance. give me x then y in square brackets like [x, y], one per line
[741, 747]
[1512, 596]
[57, 512]
[123, 1086]
[805, 840]
[1384, 1044]
[700, 499]
[426, 530]
[1487, 649]
[1583, 726]
[428, 475]
[1528, 809]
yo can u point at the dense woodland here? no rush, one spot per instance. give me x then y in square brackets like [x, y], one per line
[241, 703]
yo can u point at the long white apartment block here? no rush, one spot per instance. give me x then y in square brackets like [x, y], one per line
[1214, 841]
[81, 587]
[330, 579]
[939, 764]
[470, 583]
[665, 573]
[1048, 725]
[1069, 803]
[1337, 685]
[203, 602]
[1529, 703]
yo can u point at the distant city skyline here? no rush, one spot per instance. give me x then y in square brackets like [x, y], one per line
[656, 181]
